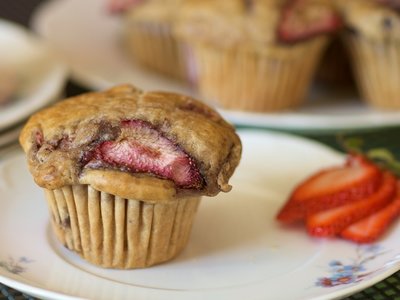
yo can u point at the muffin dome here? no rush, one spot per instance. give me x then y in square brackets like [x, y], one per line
[147, 146]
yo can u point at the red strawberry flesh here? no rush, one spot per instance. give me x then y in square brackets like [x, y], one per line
[302, 19]
[39, 138]
[371, 228]
[330, 188]
[141, 148]
[333, 221]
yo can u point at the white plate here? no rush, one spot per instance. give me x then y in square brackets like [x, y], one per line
[90, 46]
[236, 251]
[41, 77]
[10, 135]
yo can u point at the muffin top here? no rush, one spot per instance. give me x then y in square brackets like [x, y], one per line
[150, 146]
[374, 19]
[255, 23]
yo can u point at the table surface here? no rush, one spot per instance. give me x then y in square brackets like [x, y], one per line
[21, 11]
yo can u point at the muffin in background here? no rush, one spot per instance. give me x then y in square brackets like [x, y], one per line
[148, 37]
[257, 55]
[124, 170]
[372, 37]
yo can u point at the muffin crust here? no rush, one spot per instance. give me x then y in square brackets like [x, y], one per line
[58, 140]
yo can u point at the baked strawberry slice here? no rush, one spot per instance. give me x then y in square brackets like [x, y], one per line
[333, 221]
[371, 228]
[332, 187]
[143, 149]
[303, 19]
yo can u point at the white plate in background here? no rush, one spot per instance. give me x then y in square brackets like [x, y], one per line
[237, 249]
[87, 37]
[40, 76]
[10, 135]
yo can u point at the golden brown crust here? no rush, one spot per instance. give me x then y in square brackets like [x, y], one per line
[151, 188]
[233, 23]
[54, 140]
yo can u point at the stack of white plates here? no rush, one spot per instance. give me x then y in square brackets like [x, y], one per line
[38, 74]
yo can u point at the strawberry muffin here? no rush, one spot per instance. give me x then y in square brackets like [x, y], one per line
[124, 170]
[372, 38]
[256, 55]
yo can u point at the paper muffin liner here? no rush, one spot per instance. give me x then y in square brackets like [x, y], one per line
[154, 46]
[271, 79]
[113, 232]
[376, 66]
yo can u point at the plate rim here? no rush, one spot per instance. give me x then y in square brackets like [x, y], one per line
[48, 90]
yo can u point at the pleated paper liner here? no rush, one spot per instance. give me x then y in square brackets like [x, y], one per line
[113, 232]
[272, 79]
[154, 46]
[376, 67]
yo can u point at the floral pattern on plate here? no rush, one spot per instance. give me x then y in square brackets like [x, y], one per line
[15, 266]
[345, 273]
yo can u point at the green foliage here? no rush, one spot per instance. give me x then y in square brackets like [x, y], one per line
[381, 156]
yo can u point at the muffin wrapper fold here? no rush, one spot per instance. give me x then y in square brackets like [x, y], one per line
[271, 79]
[376, 66]
[113, 232]
[154, 46]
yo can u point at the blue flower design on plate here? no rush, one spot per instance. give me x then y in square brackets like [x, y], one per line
[15, 266]
[345, 273]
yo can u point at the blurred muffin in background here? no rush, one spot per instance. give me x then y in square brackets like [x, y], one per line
[149, 39]
[257, 55]
[372, 37]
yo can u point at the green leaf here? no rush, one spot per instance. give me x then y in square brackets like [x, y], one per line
[353, 145]
[381, 156]
[384, 158]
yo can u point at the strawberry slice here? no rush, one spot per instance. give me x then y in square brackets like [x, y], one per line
[304, 19]
[333, 221]
[142, 148]
[332, 187]
[371, 228]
